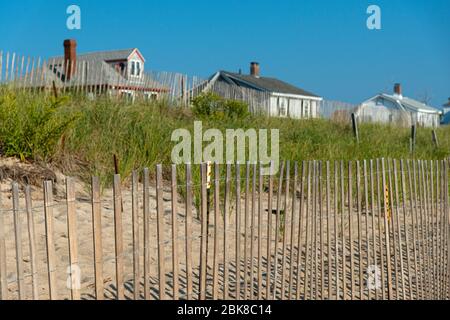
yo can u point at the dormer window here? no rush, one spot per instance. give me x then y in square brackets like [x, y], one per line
[136, 69]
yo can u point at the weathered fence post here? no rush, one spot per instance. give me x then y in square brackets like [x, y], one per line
[73, 239]
[135, 229]
[160, 232]
[97, 232]
[413, 138]
[434, 138]
[32, 239]
[204, 232]
[355, 127]
[3, 280]
[175, 233]
[51, 258]
[146, 214]
[118, 236]
[18, 239]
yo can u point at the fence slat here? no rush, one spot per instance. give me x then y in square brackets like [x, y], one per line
[97, 238]
[204, 232]
[424, 263]
[292, 238]
[188, 231]
[18, 240]
[350, 229]
[136, 246]
[238, 232]
[300, 232]
[329, 231]
[426, 228]
[406, 224]
[277, 230]
[380, 228]
[391, 229]
[118, 233]
[285, 228]
[175, 259]
[146, 202]
[225, 234]
[32, 242]
[49, 236]
[308, 204]
[216, 230]
[386, 234]
[260, 225]
[366, 208]
[269, 232]
[160, 233]
[447, 222]
[416, 227]
[73, 239]
[252, 233]
[399, 230]
[343, 241]
[322, 250]
[359, 218]
[246, 228]
[3, 275]
[314, 271]
[336, 228]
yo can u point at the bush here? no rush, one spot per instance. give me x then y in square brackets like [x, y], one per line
[31, 129]
[211, 105]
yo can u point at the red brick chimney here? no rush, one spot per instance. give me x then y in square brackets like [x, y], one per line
[70, 57]
[254, 69]
[398, 89]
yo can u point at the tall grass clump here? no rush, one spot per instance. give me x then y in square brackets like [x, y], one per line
[31, 128]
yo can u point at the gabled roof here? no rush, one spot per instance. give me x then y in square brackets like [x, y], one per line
[408, 104]
[113, 55]
[271, 85]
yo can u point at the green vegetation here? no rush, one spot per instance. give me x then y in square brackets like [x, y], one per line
[80, 136]
[211, 106]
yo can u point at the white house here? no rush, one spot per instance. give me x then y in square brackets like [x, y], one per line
[268, 95]
[399, 110]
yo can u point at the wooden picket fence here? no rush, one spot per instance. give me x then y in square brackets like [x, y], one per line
[376, 229]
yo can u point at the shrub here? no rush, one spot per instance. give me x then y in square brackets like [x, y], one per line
[211, 105]
[31, 129]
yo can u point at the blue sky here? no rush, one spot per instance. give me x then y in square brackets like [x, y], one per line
[320, 45]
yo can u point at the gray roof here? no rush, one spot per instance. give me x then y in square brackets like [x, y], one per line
[265, 84]
[411, 104]
[113, 55]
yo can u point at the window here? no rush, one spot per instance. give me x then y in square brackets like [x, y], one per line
[133, 68]
[136, 69]
[151, 96]
[282, 107]
[306, 109]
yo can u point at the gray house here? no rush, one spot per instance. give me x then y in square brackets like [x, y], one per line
[266, 95]
[399, 110]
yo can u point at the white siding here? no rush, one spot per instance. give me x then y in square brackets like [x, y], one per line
[295, 108]
[380, 110]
